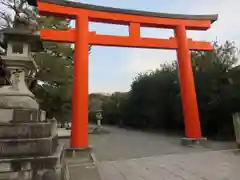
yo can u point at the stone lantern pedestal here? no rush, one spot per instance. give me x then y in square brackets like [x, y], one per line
[29, 147]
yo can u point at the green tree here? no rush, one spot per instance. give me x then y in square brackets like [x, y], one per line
[215, 94]
[56, 72]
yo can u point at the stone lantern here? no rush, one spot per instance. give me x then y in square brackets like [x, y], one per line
[99, 118]
[29, 146]
[19, 45]
[98, 115]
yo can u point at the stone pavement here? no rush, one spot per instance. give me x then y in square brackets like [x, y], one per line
[129, 155]
[122, 144]
[82, 169]
[209, 165]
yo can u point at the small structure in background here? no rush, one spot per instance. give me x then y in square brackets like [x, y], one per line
[99, 117]
[28, 141]
[98, 114]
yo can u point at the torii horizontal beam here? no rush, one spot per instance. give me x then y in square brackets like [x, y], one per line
[123, 16]
[122, 41]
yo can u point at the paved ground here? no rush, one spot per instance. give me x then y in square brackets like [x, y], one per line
[127, 144]
[195, 166]
[82, 169]
[129, 155]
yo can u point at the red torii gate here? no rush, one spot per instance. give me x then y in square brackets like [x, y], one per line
[85, 13]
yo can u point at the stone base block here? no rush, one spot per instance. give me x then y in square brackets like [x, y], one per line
[193, 141]
[51, 167]
[21, 116]
[28, 147]
[78, 152]
[25, 115]
[28, 130]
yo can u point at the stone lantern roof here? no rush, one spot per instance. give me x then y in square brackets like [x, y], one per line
[21, 35]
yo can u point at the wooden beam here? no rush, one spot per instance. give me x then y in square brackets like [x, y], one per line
[120, 18]
[58, 35]
[134, 30]
[122, 41]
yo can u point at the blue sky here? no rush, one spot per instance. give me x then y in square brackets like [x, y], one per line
[113, 69]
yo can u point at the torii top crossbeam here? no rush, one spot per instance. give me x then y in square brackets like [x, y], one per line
[65, 3]
[133, 18]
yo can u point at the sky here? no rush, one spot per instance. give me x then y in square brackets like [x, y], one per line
[112, 69]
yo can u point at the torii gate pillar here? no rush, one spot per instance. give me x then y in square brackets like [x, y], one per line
[79, 131]
[188, 94]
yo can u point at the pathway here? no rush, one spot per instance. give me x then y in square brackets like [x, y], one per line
[134, 155]
[209, 165]
[128, 144]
